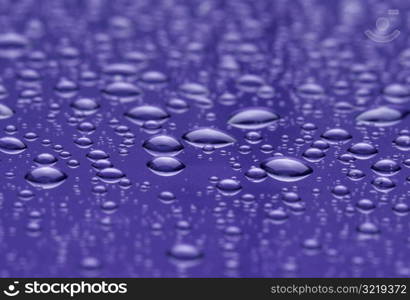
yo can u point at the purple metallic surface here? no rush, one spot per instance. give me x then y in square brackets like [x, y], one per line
[311, 62]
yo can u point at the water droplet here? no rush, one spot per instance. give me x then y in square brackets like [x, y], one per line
[396, 93]
[184, 251]
[383, 184]
[85, 106]
[401, 209]
[255, 174]
[45, 159]
[253, 137]
[229, 187]
[322, 145]
[11, 145]
[66, 88]
[365, 206]
[336, 135]
[153, 79]
[176, 105]
[311, 90]
[380, 116]
[109, 207]
[12, 45]
[141, 114]
[162, 145]
[253, 118]
[363, 150]
[208, 136]
[286, 169]
[402, 142]
[83, 142]
[5, 112]
[120, 70]
[110, 175]
[165, 166]
[313, 154]
[167, 197]
[192, 90]
[368, 228]
[355, 174]
[250, 83]
[45, 177]
[278, 216]
[386, 167]
[90, 263]
[340, 191]
[122, 91]
[97, 154]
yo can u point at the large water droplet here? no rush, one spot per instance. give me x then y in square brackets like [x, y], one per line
[313, 154]
[229, 187]
[5, 112]
[386, 167]
[255, 174]
[311, 90]
[11, 145]
[45, 177]
[363, 150]
[286, 169]
[141, 114]
[45, 159]
[336, 135]
[396, 93]
[85, 106]
[253, 118]
[368, 228]
[122, 91]
[193, 90]
[165, 166]
[250, 83]
[383, 184]
[208, 136]
[97, 154]
[402, 142]
[110, 175]
[184, 251]
[12, 45]
[380, 116]
[119, 69]
[162, 145]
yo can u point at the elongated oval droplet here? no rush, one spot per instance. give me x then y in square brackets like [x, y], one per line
[363, 150]
[396, 93]
[208, 137]
[336, 135]
[165, 166]
[253, 118]
[386, 167]
[122, 91]
[45, 177]
[11, 145]
[12, 45]
[141, 114]
[286, 169]
[163, 145]
[380, 116]
[110, 175]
